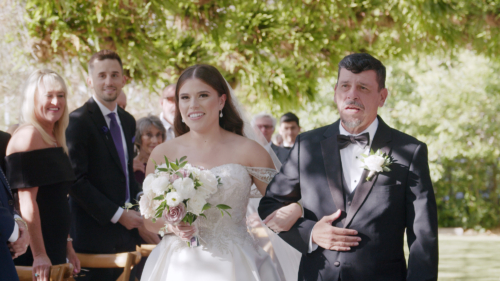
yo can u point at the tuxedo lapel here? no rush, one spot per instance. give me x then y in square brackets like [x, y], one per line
[5, 183]
[102, 127]
[333, 165]
[380, 141]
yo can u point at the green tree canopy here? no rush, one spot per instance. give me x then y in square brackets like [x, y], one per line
[273, 50]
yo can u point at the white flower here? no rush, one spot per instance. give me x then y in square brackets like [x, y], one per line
[146, 185]
[208, 182]
[196, 204]
[173, 199]
[375, 163]
[193, 170]
[160, 185]
[146, 205]
[185, 187]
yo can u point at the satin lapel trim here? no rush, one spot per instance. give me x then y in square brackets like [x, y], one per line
[380, 141]
[333, 169]
[98, 119]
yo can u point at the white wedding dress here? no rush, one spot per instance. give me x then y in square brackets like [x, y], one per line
[228, 252]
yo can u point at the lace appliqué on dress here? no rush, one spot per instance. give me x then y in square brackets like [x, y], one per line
[265, 175]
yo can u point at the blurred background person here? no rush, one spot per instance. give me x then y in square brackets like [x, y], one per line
[167, 114]
[289, 129]
[278, 140]
[122, 100]
[266, 124]
[149, 133]
[38, 168]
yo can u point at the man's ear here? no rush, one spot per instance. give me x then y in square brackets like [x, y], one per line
[383, 96]
[89, 82]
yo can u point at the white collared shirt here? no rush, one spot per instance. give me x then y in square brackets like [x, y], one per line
[105, 111]
[170, 130]
[351, 156]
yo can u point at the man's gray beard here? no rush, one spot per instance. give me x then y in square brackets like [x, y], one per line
[351, 124]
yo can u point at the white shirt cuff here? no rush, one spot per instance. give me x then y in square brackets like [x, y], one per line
[117, 215]
[15, 234]
[312, 246]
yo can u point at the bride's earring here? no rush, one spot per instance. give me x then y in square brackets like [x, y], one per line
[182, 120]
[220, 115]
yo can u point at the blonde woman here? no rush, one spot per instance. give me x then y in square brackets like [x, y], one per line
[38, 168]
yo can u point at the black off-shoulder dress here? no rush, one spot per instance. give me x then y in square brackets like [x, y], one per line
[50, 170]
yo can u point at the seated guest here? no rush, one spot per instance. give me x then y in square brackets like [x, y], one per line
[38, 168]
[289, 129]
[149, 133]
[266, 124]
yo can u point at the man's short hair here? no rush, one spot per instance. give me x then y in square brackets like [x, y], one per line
[357, 63]
[289, 117]
[263, 115]
[104, 55]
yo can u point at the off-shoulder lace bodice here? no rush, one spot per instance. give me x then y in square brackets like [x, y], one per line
[219, 231]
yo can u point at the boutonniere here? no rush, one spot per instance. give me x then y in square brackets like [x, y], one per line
[133, 139]
[105, 129]
[376, 163]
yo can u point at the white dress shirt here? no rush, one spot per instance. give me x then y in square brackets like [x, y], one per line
[350, 157]
[170, 130]
[15, 233]
[105, 111]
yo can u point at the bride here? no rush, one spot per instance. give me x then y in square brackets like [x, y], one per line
[210, 133]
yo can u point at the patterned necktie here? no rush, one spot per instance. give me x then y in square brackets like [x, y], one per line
[344, 141]
[117, 139]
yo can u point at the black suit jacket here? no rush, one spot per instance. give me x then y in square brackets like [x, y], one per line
[4, 141]
[381, 210]
[101, 183]
[281, 152]
[7, 268]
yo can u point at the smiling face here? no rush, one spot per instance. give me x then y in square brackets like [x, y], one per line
[358, 98]
[199, 105]
[107, 80]
[150, 138]
[50, 102]
[265, 126]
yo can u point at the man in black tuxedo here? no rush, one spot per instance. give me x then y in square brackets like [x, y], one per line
[100, 143]
[14, 237]
[266, 124]
[353, 227]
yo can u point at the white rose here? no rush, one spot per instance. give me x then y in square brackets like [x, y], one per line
[146, 185]
[146, 205]
[173, 199]
[375, 163]
[185, 187]
[160, 185]
[208, 182]
[196, 204]
[194, 171]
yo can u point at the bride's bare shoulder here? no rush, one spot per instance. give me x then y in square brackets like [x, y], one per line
[252, 153]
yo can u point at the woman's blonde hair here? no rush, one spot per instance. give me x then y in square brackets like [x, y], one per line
[50, 80]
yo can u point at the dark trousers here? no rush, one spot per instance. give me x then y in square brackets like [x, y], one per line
[125, 243]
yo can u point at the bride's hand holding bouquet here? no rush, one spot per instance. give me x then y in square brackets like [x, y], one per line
[177, 192]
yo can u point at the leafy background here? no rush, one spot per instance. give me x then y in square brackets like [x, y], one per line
[441, 56]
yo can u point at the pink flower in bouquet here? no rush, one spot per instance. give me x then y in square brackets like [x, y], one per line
[173, 178]
[175, 214]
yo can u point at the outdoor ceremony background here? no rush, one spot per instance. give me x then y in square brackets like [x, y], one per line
[442, 60]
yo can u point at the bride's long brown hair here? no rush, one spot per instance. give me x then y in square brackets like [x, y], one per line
[231, 120]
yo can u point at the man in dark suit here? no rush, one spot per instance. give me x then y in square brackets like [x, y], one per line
[14, 237]
[266, 124]
[4, 141]
[353, 225]
[100, 143]
[289, 129]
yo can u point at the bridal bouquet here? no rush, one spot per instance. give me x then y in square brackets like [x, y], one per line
[177, 191]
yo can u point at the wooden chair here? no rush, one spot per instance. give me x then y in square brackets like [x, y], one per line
[60, 272]
[126, 260]
[145, 249]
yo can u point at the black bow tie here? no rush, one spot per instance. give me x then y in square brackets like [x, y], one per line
[344, 141]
